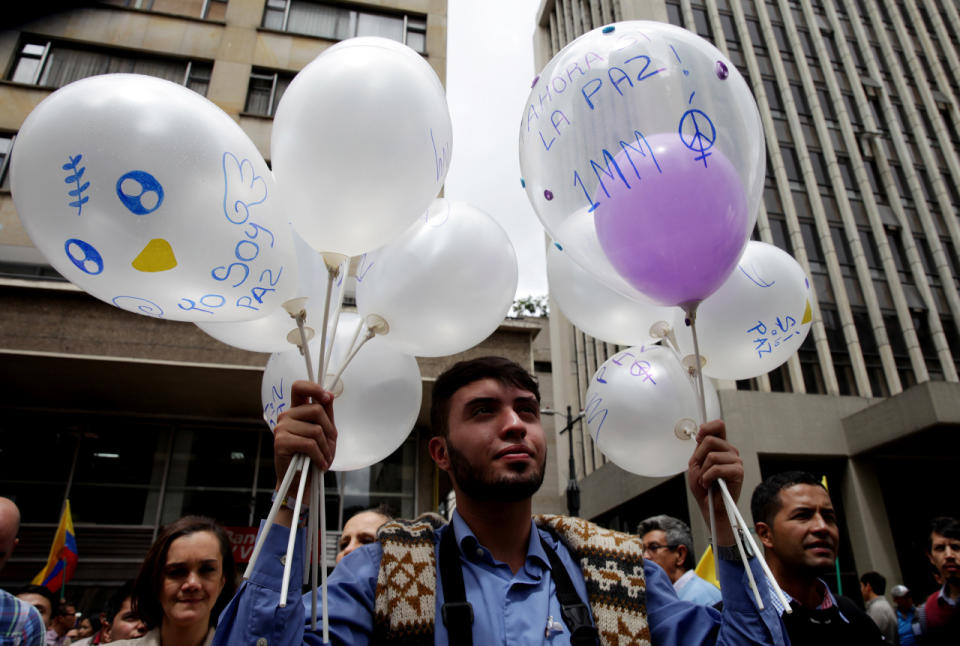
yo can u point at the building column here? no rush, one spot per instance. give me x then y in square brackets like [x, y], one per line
[867, 521]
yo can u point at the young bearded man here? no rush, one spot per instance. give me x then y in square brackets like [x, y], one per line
[797, 526]
[494, 574]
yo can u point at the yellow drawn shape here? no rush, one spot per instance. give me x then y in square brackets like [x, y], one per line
[156, 256]
[807, 315]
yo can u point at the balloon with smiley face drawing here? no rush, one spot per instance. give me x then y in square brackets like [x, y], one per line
[151, 198]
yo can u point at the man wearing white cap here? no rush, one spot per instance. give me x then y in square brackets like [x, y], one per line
[907, 622]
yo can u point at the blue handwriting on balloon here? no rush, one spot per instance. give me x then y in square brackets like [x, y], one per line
[274, 407]
[213, 301]
[84, 256]
[558, 85]
[441, 157]
[631, 151]
[756, 279]
[76, 170]
[770, 337]
[703, 136]
[593, 410]
[242, 188]
[142, 305]
[363, 268]
[140, 192]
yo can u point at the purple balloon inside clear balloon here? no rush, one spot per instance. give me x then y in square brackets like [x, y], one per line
[676, 227]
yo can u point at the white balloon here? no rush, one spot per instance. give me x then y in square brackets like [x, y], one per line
[636, 402]
[444, 285]
[151, 198]
[379, 404]
[597, 309]
[361, 144]
[756, 320]
[270, 333]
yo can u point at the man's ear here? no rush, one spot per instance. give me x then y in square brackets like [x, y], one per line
[681, 555]
[764, 533]
[438, 451]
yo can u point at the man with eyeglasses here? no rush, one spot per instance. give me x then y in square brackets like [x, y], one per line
[667, 541]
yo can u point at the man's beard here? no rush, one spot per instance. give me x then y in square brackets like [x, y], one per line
[512, 487]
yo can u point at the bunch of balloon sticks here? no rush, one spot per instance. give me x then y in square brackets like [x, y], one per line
[316, 539]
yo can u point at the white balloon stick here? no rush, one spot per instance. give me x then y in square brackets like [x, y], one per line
[324, 332]
[333, 332]
[288, 562]
[312, 533]
[272, 515]
[733, 513]
[756, 550]
[343, 366]
[323, 558]
[735, 526]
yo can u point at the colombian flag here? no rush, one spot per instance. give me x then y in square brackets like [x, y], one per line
[63, 555]
[707, 569]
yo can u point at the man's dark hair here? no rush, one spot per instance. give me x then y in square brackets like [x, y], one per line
[145, 600]
[946, 526]
[45, 592]
[466, 372]
[62, 609]
[676, 531]
[116, 600]
[876, 581]
[765, 502]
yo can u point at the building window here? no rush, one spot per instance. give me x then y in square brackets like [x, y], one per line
[335, 22]
[6, 143]
[53, 65]
[264, 92]
[207, 9]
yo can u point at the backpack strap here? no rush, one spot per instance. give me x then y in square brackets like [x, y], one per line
[456, 611]
[575, 613]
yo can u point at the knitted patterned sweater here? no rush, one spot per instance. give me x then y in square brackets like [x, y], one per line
[611, 564]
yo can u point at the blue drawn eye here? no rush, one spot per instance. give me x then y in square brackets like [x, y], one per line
[140, 192]
[142, 305]
[84, 256]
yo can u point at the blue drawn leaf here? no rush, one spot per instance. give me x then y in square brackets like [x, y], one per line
[68, 179]
[80, 173]
[76, 160]
[74, 193]
[68, 167]
[85, 185]
[80, 202]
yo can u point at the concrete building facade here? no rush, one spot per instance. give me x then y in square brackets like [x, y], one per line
[859, 103]
[136, 420]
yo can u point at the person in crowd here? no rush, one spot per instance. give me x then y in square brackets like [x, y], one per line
[64, 619]
[118, 620]
[797, 526]
[361, 529]
[494, 573]
[84, 630]
[185, 581]
[908, 623]
[42, 599]
[872, 587]
[19, 620]
[939, 617]
[667, 541]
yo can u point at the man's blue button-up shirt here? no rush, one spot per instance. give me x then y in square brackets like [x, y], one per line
[508, 608]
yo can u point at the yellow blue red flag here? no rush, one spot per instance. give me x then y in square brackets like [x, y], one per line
[62, 561]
